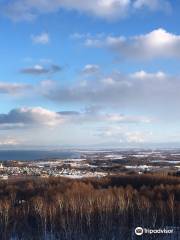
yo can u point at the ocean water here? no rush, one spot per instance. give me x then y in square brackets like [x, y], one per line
[30, 155]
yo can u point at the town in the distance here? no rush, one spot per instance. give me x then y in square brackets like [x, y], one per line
[95, 163]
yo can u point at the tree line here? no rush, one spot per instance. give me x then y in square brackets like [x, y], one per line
[97, 208]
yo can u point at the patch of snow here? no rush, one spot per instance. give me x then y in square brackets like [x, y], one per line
[114, 156]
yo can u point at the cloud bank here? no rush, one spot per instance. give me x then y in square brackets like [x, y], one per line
[156, 44]
[153, 92]
[8, 141]
[122, 135]
[38, 116]
[106, 9]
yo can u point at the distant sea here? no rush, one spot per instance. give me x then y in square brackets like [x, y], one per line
[30, 155]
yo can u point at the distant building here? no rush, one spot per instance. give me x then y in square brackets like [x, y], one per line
[1, 166]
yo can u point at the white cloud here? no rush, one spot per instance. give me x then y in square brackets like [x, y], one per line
[77, 35]
[124, 135]
[127, 119]
[107, 9]
[136, 137]
[43, 38]
[108, 81]
[148, 76]
[157, 44]
[8, 141]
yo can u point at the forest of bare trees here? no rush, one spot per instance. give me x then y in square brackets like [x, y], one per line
[104, 208]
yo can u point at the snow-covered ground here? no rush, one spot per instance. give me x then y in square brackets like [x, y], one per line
[114, 156]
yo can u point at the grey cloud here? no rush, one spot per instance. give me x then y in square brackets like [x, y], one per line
[153, 5]
[22, 117]
[40, 70]
[56, 68]
[69, 113]
[13, 88]
[90, 69]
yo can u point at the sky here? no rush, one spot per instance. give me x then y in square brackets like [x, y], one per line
[78, 73]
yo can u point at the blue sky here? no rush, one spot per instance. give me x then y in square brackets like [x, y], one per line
[100, 73]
